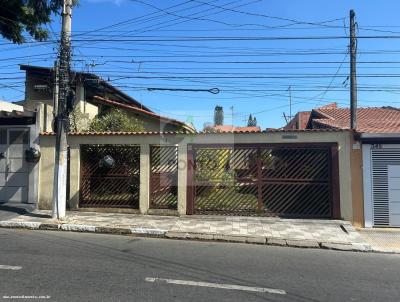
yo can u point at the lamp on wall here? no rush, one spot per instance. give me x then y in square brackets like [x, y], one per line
[107, 162]
[32, 155]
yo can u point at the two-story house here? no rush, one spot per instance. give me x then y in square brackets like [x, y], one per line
[22, 123]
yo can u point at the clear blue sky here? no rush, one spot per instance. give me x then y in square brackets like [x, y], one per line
[253, 87]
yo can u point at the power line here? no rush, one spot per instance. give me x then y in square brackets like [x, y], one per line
[151, 38]
[248, 62]
[294, 22]
[333, 78]
[128, 21]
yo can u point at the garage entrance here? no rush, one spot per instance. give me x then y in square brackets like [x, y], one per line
[381, 178]
[14, 170]
[291, 180]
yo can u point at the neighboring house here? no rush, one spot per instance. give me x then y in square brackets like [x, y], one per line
[369, 120]
[93, 96]
[376, 149]
[18, 133]
[21, 124]
[230, 128]
[299, 121]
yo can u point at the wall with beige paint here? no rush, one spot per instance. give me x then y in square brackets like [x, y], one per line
[357, 184]
[46, 172]
[343, 139]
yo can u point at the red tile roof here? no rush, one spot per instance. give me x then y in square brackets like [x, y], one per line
[230, 128]
[108, 133]
[369, 120]
[299, 121]
[196, 133]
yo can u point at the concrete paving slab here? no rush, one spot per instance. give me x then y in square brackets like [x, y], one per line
[382, 240]
[257, 230]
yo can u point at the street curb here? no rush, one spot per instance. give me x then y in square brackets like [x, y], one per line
[49, 226]
[149, 232]
[111, 230]
[20, 224]
[69, 227]
[160, 233]
[303, 243]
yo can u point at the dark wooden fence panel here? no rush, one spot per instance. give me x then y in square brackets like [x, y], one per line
[110, 176]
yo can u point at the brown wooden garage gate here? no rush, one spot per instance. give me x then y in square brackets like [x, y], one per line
[286, 180]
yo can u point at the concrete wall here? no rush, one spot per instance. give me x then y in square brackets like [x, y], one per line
[84, 106]
[47, 142]
[45, 117]
[46, 172]
[357, 184]
[32, 95]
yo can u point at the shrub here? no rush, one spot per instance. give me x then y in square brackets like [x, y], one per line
[116, 120]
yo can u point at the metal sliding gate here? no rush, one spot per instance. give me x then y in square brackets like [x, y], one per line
[164, 177]
[110, 176]
[271, 180]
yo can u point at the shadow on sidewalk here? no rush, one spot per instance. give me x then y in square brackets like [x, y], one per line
[21, 209]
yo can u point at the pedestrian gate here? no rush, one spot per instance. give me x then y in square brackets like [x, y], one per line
[110, 176]
[164, 177]
[271, 180]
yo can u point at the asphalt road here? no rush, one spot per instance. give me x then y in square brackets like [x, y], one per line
[92, 267]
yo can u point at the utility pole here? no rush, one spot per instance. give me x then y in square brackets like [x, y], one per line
[55, 92]
[353, 74]
[290, 102]
[289, 117]
[232, 118]
[61, 121]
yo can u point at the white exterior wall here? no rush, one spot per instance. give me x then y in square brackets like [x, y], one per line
[9, 107]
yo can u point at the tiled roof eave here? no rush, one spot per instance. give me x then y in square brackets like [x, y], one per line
[195, 133]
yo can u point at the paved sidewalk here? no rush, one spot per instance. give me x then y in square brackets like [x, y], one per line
[330, 234]
[10, 210]
[382, 240]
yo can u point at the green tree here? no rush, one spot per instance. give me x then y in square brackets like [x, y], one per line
[116, 120]
[252, 121]
[20, 16]
[218, 116]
